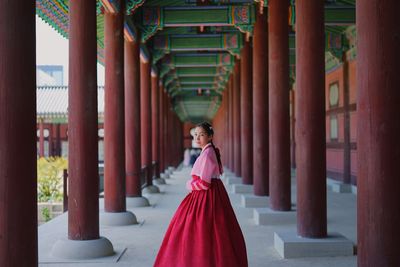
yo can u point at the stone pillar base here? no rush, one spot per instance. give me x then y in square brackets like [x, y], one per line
[338, 187]
[117, 218]
[151, 189]
[226, 176]
[82, 249]
[159, 181]
[233, 180]
[227, 172]
[354, 189]
[267, 216]
[242, 188]
[132, 202]
[171, 170]
[341, 188]
[252, 201]
[164, 175]
[289, 245]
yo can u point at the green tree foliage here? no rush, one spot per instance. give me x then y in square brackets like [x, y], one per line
[50, 178]
[46, 214]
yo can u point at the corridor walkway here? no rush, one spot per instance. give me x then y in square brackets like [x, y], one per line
[137, 245]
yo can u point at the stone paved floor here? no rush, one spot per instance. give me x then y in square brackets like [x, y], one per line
[140, 243]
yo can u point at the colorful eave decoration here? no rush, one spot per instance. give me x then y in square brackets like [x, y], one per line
[156, 18]
[55, 14]
[165, 44]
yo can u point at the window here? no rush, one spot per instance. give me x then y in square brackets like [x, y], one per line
[334, 94]
[333, 128]
[333, 103]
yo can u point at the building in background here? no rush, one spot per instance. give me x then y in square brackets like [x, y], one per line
[49, 75]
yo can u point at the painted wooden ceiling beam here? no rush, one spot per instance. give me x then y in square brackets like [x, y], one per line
[231, 42]
[199, 60]
[154, 19]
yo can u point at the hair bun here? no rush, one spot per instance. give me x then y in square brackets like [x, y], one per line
[207, 127]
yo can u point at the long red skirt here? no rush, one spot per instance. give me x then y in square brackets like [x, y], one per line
[204, 232]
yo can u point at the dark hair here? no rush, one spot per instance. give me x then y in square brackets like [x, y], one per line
[210, 132]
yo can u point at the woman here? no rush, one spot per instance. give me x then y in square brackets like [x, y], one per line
[204, 231]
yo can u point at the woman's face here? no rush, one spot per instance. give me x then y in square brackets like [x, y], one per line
[201, 137]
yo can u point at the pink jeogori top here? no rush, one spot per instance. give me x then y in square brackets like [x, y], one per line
[204, 169]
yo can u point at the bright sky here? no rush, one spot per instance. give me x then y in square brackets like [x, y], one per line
[52, 49]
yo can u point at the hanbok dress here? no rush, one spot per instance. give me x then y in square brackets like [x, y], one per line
[204, 231]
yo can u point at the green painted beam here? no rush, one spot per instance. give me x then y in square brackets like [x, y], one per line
[172, 81]
[292, 41]
[336, 29]
[194, 93]
[164, 2]
[231, 42]
[156, 18]
[340, 15]
[197, 86]
[178, 30]
[205, 110]
[195, 80]
[349, 2]
[200, 72]
[223, 1]
[169, 78]
[199, 60]
[292, 59]
[200, 16]
[214, 84]
[198, 77]
[172, 85]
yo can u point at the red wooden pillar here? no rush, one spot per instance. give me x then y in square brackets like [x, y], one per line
[226, 138]
[378, 132]
[58, 140]
[18, 208]
[114, 120]
[165, 131]
[177, 139]
[231, 125]
[49, 128]
[260, 105]
[155, 113]
[83, 175]
[236, 133]
[132, 119]
[279, 118]
[226, 127]
[50, 140]
[246, 120]
[171, 136]
[292, 128]
[227, 153]
[181, 140]
[346, 122]
[41, 138]
[310, 132]
[161, 129]
[173, 144]
[145, 119]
